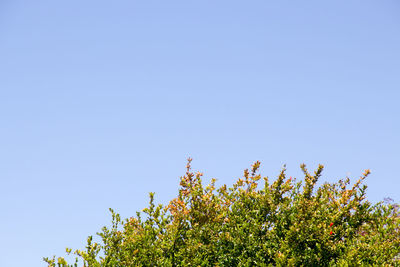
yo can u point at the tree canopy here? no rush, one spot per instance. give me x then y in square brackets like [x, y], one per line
[255, 222]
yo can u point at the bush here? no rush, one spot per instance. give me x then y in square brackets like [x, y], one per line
[285, 223]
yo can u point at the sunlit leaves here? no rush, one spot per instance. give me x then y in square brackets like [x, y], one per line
[283, 223]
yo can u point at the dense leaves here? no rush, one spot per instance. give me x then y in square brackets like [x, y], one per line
[282, 223]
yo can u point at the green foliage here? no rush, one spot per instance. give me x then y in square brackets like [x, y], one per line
[285, 223]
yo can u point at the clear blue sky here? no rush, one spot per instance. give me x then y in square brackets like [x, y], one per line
[101, 102]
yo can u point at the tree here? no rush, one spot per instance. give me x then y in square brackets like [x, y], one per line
[284, 223]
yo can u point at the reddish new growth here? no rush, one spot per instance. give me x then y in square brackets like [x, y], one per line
[330, 225]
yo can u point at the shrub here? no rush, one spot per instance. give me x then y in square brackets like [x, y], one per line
[282, 223]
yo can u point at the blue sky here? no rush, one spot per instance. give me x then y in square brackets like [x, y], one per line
[102, 102]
